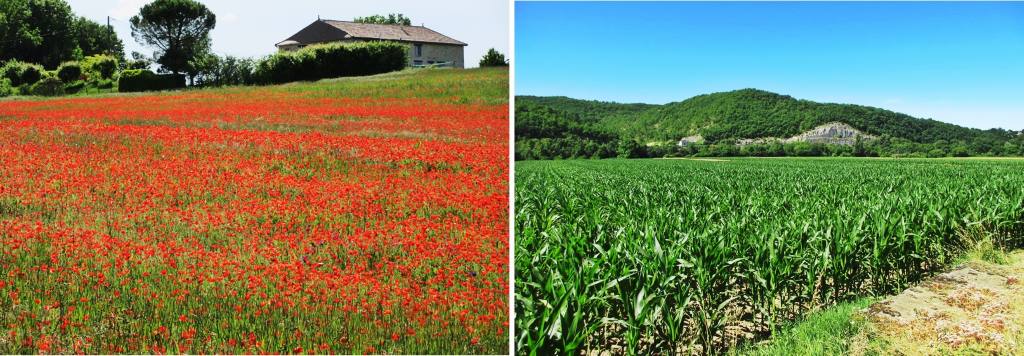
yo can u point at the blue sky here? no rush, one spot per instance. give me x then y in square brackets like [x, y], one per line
[251, 28]
[956, 62]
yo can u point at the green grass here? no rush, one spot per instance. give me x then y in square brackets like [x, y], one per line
[470, 86]
[458, 86]
[826, 332]
[839, 330]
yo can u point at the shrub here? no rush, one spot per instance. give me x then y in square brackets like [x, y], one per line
[493, 58]
[936, 153]
[101, 65]
[276, 68]
[31, 73]
[5, 88]
[228, 70]
[74, 87]
[134, 80]
[235, 71]
[960, 151]
[104, 84]
[332, 60]
[286, 67]
[11, 71]
[69, 72]
[48, 86]
[21, 73]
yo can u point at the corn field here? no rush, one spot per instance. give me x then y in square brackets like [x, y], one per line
[677, 256]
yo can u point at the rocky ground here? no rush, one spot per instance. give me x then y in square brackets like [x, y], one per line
[977, 308]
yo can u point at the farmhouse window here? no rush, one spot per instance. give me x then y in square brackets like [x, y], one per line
[417, 50]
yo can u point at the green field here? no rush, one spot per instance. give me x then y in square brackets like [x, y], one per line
[663, 256]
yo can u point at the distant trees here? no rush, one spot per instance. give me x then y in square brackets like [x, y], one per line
[180, 31]
[544, 133]
[94, 38]
[390, 19]
[47, 32]
[138, 61]
[37, 31]
[560, 127]
[45, 49]
[228, 70]
[493, 58]
[1018, 142]
[629, 149]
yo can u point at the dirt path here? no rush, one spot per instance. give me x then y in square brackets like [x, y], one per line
[977, 308]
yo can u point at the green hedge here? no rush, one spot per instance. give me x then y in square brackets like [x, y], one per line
[5, 88]
[100, 65]
[134, 80]
[102, 83]
[332, 60]
[11, 73]
[20, 73]
[69, 72]
[74, 87]
[48, 86]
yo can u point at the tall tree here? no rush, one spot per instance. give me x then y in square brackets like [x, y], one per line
[14, 32]
[94, 38]
[47, 32]
[391, 19]
[179, 29]
[37, 31]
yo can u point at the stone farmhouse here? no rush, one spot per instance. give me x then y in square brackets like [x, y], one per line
[426, 46]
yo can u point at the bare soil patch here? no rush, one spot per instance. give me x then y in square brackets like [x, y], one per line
[976, 308]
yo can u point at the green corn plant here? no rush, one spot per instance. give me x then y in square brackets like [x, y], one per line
[657, 256]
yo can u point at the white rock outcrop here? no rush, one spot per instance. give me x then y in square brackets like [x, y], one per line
[835, 133]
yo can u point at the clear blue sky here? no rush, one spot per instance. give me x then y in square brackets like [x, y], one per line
[956, 62]
[251, 28]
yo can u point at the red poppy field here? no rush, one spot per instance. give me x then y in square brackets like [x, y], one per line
[362, 215]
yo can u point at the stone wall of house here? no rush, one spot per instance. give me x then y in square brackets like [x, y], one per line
[437, 53]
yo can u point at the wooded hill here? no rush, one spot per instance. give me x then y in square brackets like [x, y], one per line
[585, 128]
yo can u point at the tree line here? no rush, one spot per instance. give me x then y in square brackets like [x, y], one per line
[48, 50]
[563, 128]
[48, 33]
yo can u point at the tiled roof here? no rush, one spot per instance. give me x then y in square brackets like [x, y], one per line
[355, 30]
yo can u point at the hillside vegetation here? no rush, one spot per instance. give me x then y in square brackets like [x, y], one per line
[638, 130]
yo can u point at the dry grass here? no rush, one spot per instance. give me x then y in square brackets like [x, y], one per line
[975, 309]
